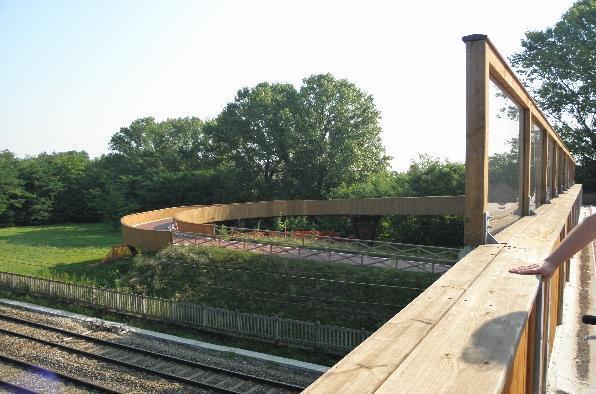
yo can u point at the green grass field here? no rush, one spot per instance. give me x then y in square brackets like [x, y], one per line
[65, 251]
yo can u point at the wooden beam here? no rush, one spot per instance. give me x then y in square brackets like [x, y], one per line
[500, 70]
[473, 347]
[373, 361]
[476, 172]
[543, 175]
[526, 147]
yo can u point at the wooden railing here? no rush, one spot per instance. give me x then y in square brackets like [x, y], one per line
[197, 218]
[484, 65]
[479, 328]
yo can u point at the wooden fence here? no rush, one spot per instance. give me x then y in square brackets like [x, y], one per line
[301, 334]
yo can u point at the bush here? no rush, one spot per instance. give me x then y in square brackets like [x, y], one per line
[332, 293]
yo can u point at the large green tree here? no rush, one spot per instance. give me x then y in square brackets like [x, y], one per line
[339, 136]
[150, 146]
[300, 144]
[558, 64]
[256, 136]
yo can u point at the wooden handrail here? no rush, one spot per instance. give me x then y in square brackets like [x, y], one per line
[474, 329]
[193, 218]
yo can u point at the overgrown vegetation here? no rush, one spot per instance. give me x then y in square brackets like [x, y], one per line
[332, 293]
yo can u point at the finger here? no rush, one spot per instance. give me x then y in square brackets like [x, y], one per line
[527, 270]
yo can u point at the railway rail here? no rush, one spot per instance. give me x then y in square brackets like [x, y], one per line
[46, 374]
[188, 373]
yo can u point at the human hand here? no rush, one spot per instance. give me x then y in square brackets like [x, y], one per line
[546, 269]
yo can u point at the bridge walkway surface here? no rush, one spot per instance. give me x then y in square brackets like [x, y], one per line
[300, 253]
[572, 366]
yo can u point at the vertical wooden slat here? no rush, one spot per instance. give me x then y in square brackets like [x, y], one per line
[516, 382]
[526, 131]
[530, 364]
[543, 176]
[476, 170]
[555, 176]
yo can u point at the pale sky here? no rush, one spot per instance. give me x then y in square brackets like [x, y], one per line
[73, 72]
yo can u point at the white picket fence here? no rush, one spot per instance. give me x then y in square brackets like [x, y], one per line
[271, 328]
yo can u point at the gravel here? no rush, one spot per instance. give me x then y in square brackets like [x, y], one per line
[36, 382]
[124, 379]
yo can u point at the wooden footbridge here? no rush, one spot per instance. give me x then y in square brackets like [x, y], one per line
[478, 328]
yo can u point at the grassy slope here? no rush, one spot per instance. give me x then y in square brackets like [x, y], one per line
[65, 251]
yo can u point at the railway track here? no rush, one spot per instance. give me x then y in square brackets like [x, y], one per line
[46, 374]
[190, 375]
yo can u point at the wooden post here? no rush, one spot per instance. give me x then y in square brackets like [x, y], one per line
[476, 172]
[526, 160]
[555, 174]
[276, 328]
[238, 322]
[543, 175]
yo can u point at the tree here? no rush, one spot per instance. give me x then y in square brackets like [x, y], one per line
[299, 144]
[12, 193]
[256, 135]
[70, 168]
[382, 184]
[339, 136]
[430, 176]
[558, 66]
[149, 146]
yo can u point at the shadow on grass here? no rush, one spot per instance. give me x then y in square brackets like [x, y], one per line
[99, 235]
[93, 273]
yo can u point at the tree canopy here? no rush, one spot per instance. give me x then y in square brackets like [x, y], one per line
[171, 145]
[558, 66]
[299, 143]
[273, 141]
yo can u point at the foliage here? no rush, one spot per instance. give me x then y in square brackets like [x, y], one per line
[430, 176]
[273, 141]
[427, 176]
[339, 136]
[382, 184]
[50, 188]
[256, 135]
[339, 294]
[12, 193]
[558, 65]
[286, 143]
[146, 145]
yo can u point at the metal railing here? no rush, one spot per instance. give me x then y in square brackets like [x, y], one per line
[261, 327]
[406, 257]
